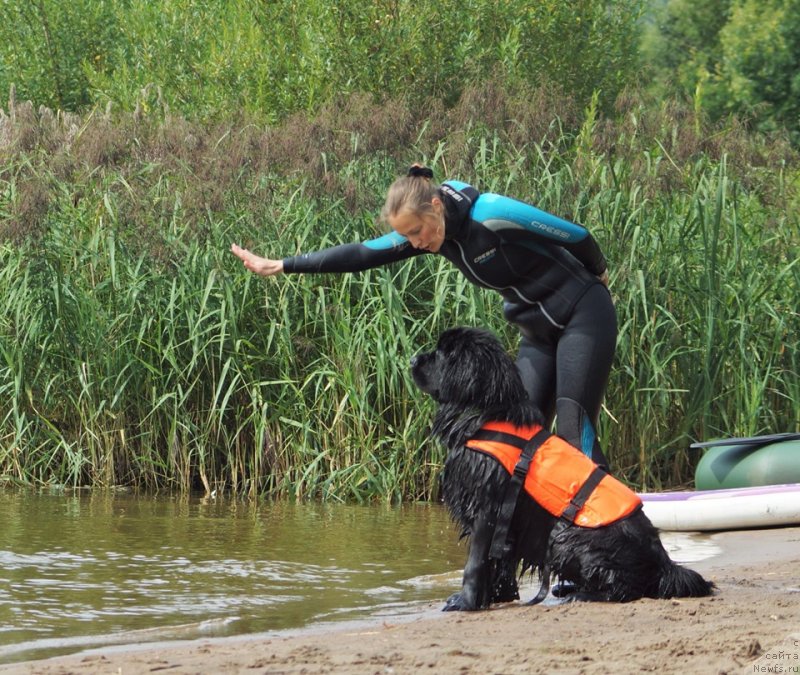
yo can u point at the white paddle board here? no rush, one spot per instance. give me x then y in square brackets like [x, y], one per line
[730, 509]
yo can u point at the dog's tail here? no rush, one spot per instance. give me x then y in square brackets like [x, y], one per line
[681, 582]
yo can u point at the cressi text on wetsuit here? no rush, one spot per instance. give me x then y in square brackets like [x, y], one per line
[546, 269]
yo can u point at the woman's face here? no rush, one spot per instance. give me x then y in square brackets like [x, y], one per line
[423, 231]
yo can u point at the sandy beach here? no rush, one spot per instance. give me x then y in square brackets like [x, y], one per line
[751, 624]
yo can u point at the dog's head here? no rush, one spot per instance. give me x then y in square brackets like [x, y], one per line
[469, 368]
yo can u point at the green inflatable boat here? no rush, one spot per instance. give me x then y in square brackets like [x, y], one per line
[740, 483]
[748, 462]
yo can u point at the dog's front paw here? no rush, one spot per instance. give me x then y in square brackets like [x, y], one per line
[457, 603]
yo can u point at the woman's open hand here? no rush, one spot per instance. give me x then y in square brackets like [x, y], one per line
[266, 267]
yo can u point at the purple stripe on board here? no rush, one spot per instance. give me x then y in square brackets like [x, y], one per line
[703, 495]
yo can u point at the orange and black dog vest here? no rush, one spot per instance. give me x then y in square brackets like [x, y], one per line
[558, 472]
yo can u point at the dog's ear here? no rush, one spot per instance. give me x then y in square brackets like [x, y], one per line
[476, 371]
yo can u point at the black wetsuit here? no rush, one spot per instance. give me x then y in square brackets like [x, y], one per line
[547, 271]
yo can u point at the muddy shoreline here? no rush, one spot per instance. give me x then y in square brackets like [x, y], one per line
[751, 624]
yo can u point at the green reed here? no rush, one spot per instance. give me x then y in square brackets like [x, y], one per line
[136, 350]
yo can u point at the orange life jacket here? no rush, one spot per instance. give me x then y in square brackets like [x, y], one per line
[557, 472]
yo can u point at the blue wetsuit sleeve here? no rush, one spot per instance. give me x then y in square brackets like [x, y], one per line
[355, 257]
[500, 213]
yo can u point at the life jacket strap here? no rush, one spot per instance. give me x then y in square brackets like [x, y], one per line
[577, 502]
[500, 544]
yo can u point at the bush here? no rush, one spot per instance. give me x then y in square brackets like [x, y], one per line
[225, 58]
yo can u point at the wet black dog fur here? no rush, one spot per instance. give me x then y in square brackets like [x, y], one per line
[473, 380]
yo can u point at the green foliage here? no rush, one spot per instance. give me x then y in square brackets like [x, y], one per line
[218, 58]
[47, 46]
[737, 57]
[761, 62]
[682, 46]
[586, 46]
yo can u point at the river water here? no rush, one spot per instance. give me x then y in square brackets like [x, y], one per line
[84, 569]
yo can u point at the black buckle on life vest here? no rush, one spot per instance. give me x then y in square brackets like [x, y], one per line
[500, 545]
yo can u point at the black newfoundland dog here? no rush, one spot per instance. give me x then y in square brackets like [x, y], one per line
[533, 504]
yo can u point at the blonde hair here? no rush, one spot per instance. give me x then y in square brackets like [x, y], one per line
[409, 193]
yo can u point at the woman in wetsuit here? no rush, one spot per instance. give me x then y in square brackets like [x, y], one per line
[550, 273]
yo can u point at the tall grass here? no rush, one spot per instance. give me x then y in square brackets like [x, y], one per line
[705, 299]
[136, 350]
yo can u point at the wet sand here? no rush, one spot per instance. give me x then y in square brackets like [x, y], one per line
[751, 625]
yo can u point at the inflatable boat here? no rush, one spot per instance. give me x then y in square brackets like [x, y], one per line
[740, 483]
[748, 462]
